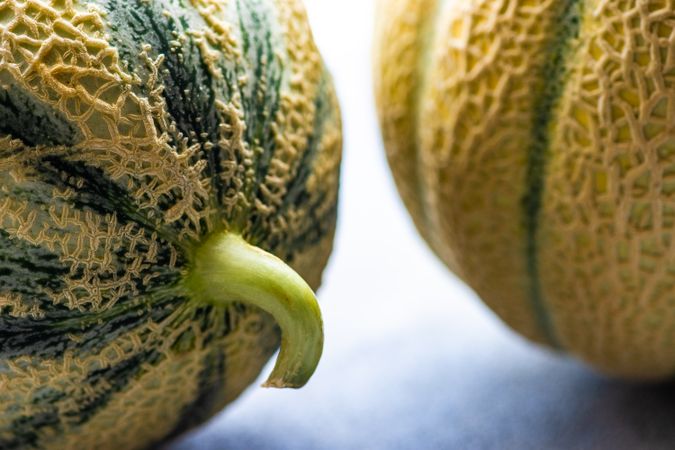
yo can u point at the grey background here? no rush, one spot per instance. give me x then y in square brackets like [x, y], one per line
[412, 359]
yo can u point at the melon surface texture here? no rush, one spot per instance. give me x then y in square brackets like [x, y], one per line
[533, 143]
[168, 178]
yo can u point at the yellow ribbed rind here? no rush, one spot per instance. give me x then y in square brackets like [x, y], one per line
[555, 211]
[472, 139]
[607, 263]
[403, 31]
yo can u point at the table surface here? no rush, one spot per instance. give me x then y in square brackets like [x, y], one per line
[412, 359]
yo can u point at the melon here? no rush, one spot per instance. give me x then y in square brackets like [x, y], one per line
[168, 198]
[533, 144]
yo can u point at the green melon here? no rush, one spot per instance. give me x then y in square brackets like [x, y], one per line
[533, 143]
[168, 178]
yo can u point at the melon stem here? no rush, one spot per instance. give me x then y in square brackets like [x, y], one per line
[228, 269]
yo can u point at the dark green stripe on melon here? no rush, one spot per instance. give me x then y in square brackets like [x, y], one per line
[208, 398]
[299, 195]
[26, 430]
[110, 380]
[262, 105]
[553, 75]
[92, 190]
[23, 117]
[84, 333]
[297, 190]
[27, 270]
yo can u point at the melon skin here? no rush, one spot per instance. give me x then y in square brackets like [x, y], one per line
[532, 143]
[130, 131]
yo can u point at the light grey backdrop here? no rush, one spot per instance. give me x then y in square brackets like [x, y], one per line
[412, 359]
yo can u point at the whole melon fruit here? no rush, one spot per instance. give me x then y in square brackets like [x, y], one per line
[168, 181]
[533, 143]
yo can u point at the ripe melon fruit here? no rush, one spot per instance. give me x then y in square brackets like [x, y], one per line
[533, 143]
[168, 197]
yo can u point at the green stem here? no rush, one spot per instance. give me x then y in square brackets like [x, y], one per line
[227, 269]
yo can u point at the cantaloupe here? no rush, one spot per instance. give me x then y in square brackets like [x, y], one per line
[533, 143]
[168, 178]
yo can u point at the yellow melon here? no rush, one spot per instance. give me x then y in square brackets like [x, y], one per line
[533, 142]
